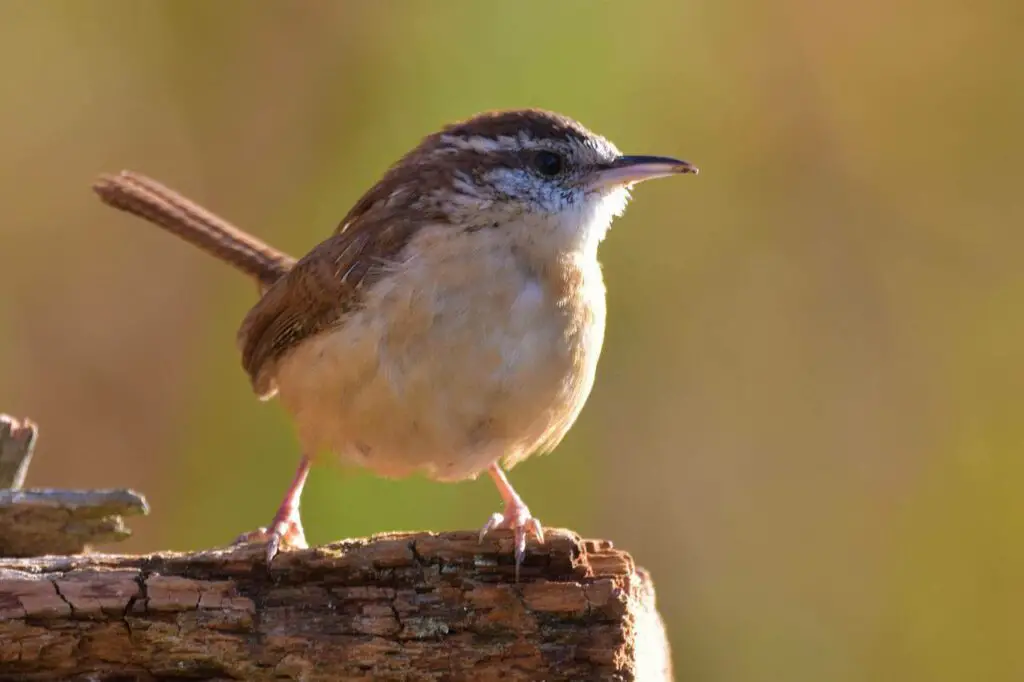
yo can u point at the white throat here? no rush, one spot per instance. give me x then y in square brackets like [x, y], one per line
[582, 226]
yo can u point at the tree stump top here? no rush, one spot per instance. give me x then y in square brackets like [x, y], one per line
[399, 606]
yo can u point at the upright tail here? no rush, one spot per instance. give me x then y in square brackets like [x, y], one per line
[148, 199]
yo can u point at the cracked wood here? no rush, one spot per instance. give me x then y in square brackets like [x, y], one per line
[393, 607]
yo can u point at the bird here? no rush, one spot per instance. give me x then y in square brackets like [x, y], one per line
[452, 323]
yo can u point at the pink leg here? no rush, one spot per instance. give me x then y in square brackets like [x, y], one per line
[286, 528]
[517, 516]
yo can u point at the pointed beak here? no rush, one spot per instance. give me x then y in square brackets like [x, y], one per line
[629, 170]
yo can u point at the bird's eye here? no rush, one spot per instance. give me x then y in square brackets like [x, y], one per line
[548, 163]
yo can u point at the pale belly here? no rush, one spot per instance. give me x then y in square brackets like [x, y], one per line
[444, 378]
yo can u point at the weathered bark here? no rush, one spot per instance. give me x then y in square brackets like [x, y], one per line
[393, 607]
[47, 521]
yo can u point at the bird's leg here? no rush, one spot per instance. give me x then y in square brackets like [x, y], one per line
[286, 528]
[517, 516]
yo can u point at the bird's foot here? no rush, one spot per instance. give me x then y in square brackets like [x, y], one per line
[284, 533]
[520, 521]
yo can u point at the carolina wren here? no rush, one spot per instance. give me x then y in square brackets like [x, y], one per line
[453, 321]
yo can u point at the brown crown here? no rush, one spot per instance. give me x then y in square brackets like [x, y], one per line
[536, 123]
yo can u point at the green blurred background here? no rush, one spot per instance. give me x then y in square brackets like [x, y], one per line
[808, 419]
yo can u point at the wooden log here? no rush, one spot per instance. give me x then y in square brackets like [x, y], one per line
[417, 606]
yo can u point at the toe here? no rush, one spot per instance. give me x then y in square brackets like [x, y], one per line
[525, 528]
[273, 545]
[535, 528]
[283, 534]
[518, 519]
[496, 520]
[259, 535]
[520, 548]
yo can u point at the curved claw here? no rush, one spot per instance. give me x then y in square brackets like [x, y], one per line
[493, 521]
[518, 519]
[284, 534]
[286, 529]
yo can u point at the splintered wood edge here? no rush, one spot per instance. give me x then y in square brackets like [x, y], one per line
[50, 521]
[579, 583]
[17, 440]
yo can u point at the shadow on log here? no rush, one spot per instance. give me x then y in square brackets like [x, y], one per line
[393, 607]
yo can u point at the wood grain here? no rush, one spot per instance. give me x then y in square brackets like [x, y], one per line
[392, 607]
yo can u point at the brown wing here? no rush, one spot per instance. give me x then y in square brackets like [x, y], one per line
[318, 292]
[325, 284]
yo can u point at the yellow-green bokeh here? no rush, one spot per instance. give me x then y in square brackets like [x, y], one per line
[808, 419]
